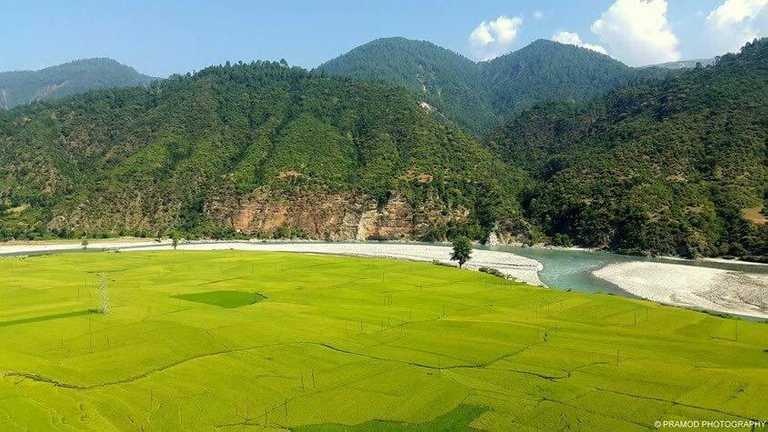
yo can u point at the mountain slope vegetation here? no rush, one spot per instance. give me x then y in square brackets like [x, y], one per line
[477, 96]
[445, 80]
[22, 87]
[673, 165]
[667, 167]
[148, 160]
[549, 71]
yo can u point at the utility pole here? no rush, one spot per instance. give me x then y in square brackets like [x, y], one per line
[104, 306]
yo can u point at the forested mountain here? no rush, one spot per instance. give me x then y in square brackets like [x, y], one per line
[670, 167]
[548, 71]
[22, 87]
[665, 162]
[477, 96]
[260, 148]
[447, 81]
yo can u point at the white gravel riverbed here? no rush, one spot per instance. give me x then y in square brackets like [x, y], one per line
[689, 286]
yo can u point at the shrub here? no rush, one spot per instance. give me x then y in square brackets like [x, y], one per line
[562, 240]
[493, 271]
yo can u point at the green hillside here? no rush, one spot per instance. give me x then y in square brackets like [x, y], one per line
[22, 87]
[664, 166]
[476, 96]
[181, 154]
[448, 81]
[549, 71]
[668, 167]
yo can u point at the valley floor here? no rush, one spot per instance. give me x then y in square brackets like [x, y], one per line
[203, 340]
[687, 286]
[519, 268]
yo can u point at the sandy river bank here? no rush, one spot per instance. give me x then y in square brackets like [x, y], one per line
[689, 286]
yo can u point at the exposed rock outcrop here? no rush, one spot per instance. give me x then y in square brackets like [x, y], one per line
[334, 216]
[4, 102]
[311, 214]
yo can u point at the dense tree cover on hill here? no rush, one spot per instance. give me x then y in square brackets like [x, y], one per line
[444, 79]
[127, 161]
[550, 71]
[22, 87]
[477, 96]
[666, 163]
[666, 167]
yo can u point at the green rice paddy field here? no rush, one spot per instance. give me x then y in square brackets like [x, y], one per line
[203, 340]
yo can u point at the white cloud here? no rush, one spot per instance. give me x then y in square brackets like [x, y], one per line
[735, 22]
[570, 38]
[735, 11]
[538, 15]
[492, 39]
[637, 32]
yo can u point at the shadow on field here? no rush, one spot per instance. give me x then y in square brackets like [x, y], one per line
[46, 318]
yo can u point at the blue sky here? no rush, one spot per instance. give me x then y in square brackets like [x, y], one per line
[163, 37]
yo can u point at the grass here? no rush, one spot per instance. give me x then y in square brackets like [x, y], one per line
[459, 418]
[351, 342]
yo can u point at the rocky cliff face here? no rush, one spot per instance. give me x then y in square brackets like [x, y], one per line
[310, 214]
[45, 92]
[339, 216]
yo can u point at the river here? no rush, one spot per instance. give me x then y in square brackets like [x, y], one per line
[571, 269]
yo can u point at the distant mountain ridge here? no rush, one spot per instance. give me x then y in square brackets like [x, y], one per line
[22, 87]
[445, 80]
[476, 95]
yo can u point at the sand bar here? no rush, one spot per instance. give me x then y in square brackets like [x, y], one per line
[707, 288]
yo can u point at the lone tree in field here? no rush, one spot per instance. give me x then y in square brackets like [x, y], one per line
[462, 250]
[175, 240]
[84, 244]
[104, 306]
